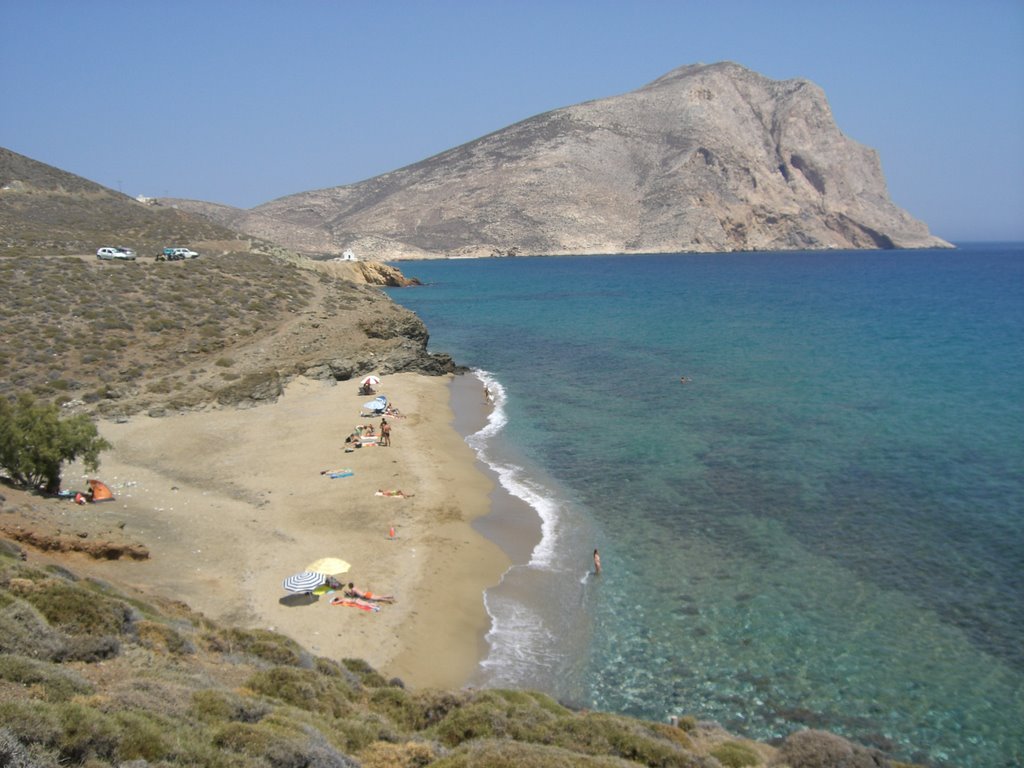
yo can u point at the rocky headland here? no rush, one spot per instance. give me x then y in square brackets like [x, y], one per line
[706, 158]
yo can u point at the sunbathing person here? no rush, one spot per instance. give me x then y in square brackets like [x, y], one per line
[352, 591]
[399, 493]
[355, 602]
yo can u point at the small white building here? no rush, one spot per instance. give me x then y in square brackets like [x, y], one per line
[347, 255]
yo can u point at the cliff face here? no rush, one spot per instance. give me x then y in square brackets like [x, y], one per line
[706, 158]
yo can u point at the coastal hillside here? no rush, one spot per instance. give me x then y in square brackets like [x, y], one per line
[45, 210]
[119, 338]
[229, 328]
[98, 675]
[706, 158]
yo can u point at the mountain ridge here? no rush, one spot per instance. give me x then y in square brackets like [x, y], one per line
[708, 157]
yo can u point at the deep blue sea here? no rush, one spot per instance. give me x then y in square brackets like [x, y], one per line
[823, 527]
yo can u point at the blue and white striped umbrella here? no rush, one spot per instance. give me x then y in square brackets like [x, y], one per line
[306, 581]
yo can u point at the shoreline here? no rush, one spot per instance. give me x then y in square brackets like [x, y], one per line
[511, 522]
[230, 502]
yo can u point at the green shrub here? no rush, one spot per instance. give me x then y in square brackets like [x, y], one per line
[820, 749]
[263, 644]
[35, 442]
[59, 684]
[281, 742]
[242, 737]
[482, 718]
[688, 723]
[304, 689]
[397, 705]
[631, 740]
[733, 754]
[24, 630]
[8, 549]
[79, 611]
[217, 706]
[367, 675]
[162, 637]
[531, 699]
[330, 667]
[14, 754]
[86, 733]
[91, 648]
[411, 754]
[513, 754]
[434, 705]
[140, 737]
[32, 722]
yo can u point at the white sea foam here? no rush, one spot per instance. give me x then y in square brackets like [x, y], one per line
[523, 641]
[513, 478]
[520, 643]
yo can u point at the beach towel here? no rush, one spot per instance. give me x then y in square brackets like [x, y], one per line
[336, 473]
[350, 603]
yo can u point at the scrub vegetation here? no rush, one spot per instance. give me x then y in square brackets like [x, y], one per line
[74, 328]
[93, 676]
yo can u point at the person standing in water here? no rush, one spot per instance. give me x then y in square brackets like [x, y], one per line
[597, 563]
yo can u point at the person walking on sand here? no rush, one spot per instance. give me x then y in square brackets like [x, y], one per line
[487, 394]
[597, 563]
[385, 433]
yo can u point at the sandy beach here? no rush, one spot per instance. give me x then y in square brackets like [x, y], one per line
[230, 502]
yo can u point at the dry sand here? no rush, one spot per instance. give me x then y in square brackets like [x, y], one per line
[230, 502]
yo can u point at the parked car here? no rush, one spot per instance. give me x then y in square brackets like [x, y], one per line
[176, 254]
[109, 252]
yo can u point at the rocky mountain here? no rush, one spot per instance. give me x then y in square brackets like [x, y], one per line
[706, 158]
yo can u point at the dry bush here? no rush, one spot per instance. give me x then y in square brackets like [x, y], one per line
[820, 749]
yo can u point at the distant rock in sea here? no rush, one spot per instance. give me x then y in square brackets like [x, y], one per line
[706, 158]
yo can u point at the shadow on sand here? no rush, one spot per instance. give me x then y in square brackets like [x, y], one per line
[294, 601]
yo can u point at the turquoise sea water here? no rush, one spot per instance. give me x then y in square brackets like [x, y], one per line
[823, 528]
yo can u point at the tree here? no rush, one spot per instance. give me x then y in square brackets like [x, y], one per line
[35, 442]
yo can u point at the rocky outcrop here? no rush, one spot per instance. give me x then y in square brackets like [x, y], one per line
[706, 158]
[60, 525]
[368, 272]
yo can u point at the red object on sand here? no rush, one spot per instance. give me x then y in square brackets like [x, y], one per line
[354, 604]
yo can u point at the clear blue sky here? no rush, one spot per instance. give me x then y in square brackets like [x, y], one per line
[242, 102]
